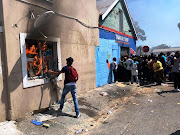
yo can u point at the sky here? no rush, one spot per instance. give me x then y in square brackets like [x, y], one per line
[159, 19]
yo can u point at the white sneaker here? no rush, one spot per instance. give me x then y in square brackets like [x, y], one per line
[177, 90]
[77, 116]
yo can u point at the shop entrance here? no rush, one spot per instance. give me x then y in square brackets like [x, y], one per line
[124, 51]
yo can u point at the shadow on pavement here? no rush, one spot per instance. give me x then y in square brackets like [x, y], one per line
[56, 113]
[89, 112]
[168, 91]
[176, 133]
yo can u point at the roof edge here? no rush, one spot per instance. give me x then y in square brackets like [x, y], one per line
[109, 9]
[130, 19]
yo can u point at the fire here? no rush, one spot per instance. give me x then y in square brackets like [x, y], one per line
[37, 55]
[37, 64]
[32, 50]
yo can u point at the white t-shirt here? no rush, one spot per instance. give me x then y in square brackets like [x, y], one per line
[134, 70]
[128, 63]
[114, 65]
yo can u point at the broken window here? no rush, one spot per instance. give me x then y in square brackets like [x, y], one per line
[41, 56]
[38, 56]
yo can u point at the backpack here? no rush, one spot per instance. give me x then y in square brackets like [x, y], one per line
[72, 75]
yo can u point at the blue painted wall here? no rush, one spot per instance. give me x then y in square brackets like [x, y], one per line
[107, 49]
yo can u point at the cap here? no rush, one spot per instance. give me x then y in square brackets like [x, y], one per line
[70, 59]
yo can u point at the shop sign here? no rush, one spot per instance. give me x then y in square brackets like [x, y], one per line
[121, 38]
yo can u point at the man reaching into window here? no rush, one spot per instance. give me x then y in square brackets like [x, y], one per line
[71, 77]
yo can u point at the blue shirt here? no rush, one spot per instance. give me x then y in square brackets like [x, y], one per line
[164, 57]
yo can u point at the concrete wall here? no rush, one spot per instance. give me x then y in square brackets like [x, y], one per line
[77, 41]
[3, 93]
[112, 19]
[1, 15]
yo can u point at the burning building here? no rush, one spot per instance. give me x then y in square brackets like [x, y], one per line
[26, 53]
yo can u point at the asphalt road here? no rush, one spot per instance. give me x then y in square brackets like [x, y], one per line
[143, 117]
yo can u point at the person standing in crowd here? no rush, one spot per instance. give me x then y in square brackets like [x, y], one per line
[114, 68]
[158, 69]
[125, 78]
[151, 72]
[71, 77]
[139, 58]
[134, 71]
[120, 70]
[145, 70]
[169, 66]
[176, 71]
[128, 69]
[162, 59]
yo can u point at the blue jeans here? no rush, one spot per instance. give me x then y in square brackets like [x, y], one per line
[66, 90]
[132, 79]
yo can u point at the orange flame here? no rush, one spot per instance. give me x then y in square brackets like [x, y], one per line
[38, 63]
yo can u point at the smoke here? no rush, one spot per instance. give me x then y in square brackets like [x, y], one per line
[140, 32]
[178, 26]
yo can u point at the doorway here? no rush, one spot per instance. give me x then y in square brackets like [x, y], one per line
[124, 51]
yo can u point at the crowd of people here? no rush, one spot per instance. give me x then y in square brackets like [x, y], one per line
[150, 69]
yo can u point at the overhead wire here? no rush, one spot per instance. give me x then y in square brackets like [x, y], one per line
[60, 14]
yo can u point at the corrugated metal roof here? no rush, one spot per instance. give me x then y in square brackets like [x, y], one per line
[166, 50]
[103, 5]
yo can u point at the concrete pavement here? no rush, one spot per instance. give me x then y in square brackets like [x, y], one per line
[143, 117]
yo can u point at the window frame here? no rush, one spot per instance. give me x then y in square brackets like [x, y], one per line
[30, 83]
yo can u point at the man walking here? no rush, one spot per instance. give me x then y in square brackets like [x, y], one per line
[71, 77]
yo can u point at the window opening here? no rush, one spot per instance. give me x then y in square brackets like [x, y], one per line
[41, 56]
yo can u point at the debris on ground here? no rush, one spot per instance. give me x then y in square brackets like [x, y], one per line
[46, 125]
[121, 85]
[152, 111]
[35, 122]
[78, 131]
[135, 104]
[110, 111]
[149, 100]
[103, 93]
[54, 121]
[44, 117]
